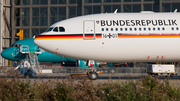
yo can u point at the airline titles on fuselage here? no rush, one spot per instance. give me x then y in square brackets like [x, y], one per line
[168, 22]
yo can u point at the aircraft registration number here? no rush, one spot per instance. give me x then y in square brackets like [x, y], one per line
[110, 35]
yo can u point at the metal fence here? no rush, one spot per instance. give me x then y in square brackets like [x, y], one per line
[124, 70]
[106, 70]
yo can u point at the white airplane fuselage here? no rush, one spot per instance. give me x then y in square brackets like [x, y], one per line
[120, 37]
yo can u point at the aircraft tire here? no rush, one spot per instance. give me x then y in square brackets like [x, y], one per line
[93, 75]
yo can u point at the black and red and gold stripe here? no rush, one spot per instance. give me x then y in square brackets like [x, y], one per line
[99, 36]
[69, 36]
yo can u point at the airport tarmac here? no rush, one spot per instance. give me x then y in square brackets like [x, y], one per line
[54, 78]
[103, 76]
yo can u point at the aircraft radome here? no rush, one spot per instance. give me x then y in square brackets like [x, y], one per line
[116, 37]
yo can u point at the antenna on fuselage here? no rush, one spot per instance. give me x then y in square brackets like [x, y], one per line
[175, 11]
[116, 11]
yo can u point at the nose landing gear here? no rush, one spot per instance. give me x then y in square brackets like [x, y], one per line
[92, 75]
[91, 72]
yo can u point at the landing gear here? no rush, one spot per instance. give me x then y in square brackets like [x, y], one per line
[92, 75]
[91, 72]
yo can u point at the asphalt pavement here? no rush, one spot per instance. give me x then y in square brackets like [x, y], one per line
[103, 76]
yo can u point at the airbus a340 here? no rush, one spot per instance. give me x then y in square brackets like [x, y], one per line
[115, 37]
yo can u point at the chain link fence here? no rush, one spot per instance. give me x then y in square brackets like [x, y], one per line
[110, 70]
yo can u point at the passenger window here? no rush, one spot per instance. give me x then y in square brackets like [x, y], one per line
[140, 29]
[144, 28]
[158, 28]
[61, 29]
[121, 29]
[172, 28]
[116, 29]
[149, 29]
[111, 29]
[135, 29]
[55, 29]
[106, 29]
[125, 29]
[102, 29]
[177, 28]
[163, 29]
[154, 29]
[130, 29]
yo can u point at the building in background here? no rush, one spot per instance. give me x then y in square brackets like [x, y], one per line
[35, 16]
[5, 29]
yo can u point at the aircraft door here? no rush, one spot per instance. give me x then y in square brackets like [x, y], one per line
[89, 30]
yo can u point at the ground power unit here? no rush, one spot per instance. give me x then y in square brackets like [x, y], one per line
[161, 69]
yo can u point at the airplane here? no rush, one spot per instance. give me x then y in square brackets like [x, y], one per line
[115, 37]
[15, 53]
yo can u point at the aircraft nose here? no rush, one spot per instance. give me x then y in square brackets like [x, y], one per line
[46, 42]
[9, 54]
[6, 54]
[36, 41]
[39, 42]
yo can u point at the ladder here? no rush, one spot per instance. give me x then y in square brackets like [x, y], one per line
[31, 56]
[33, 59]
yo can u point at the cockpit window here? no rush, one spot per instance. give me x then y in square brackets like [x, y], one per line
[61, 29]
[16, 45]
[55, 29]
[49, 29]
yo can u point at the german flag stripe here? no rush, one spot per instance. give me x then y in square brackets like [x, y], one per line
[69, 36]
[89, 36]
[99, 36]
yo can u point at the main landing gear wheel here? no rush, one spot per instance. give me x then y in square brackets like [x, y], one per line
[92, 75]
